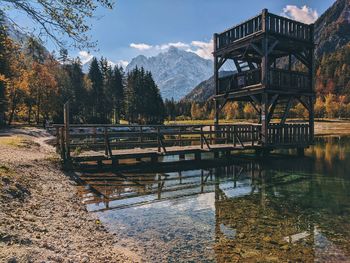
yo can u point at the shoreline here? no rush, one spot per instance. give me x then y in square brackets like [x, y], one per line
[42, 216]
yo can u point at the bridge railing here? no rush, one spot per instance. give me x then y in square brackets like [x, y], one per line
[81, 138]
[289, 134]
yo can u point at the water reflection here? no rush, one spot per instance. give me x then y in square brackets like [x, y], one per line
[271, 210]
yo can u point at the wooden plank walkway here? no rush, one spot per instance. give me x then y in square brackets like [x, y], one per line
[153, 152]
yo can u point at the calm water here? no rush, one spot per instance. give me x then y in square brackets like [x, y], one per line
[276, 210]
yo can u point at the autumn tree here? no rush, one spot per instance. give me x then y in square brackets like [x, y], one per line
[319, 108]
[4, 66]
[249, 111]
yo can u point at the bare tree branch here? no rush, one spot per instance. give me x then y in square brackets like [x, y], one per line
[59, 18]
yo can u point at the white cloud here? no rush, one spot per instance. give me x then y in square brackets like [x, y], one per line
[202, 49]
[140, 46]
[85, 56]
[304, 14]
[180, 45]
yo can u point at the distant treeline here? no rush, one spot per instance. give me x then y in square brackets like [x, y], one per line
[328, 106]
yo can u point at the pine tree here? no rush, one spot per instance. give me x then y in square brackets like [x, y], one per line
[143, 102]
[118, 93]
[96, 93]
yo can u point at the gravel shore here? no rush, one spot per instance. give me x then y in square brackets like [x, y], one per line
[42, 218]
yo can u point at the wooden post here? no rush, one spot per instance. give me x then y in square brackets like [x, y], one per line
[197, 156]
[216, 79]
[66, 130]
[62, 144]
[234, 134]
[141, 136]
[311, 76]
[264, 20]
[211, 135]
[57, 139]
[106, 141]
[158, 139]
[216, 155]
[264, 121]
[201, 137]
[300, 152]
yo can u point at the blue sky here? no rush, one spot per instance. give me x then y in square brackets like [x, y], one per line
[147, 27]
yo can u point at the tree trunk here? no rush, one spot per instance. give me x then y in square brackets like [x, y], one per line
[29, 113]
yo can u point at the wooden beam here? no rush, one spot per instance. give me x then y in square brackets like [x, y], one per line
[273, 104]
[274, 44]
[223, 105]
[221, 62]
[305, 104]
[256, 107]
[286, 111]
[264, 124]
[238, 67]
[251, 65]
[257, 49]
[302, 59]
[254, 99]
[273, 99]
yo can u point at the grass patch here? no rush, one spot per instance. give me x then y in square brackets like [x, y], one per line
[17, 141]
[5, 171]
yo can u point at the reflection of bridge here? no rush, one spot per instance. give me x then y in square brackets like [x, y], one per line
[121, 190]
[115, 190]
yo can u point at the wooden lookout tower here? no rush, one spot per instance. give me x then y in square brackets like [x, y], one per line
[273, 57]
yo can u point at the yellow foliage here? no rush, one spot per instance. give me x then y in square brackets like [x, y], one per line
[249, 111]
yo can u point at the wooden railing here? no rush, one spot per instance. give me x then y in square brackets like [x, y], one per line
[285, 79]
[289, 134]
[288, 27]
[240, 31]
[107, 138]
[111, 137]
[278, 79]
[273, 24]
[240, 80]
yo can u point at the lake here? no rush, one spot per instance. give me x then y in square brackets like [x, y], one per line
[278, 209]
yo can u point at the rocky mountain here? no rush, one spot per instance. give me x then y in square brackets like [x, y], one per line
[175, 71]
[332, 32]
[332, 29]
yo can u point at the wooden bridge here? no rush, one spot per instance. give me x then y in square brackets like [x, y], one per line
[111, 144]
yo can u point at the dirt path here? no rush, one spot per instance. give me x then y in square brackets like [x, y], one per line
[41, 216]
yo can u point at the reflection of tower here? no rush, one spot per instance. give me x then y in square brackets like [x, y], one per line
[255, 226]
